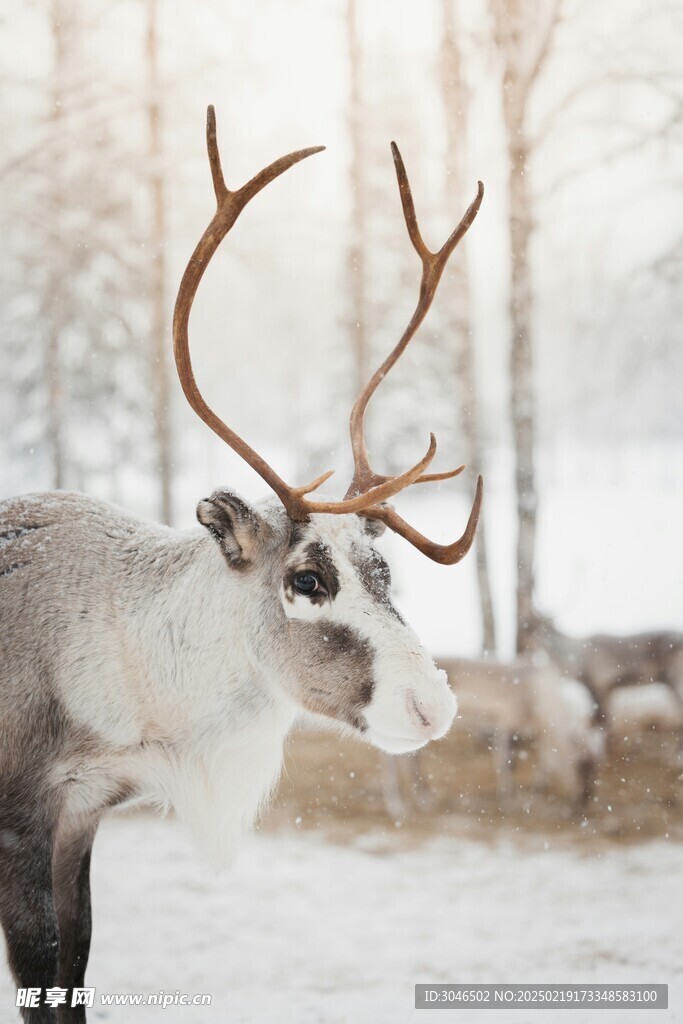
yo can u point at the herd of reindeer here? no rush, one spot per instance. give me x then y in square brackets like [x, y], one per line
[575, 699]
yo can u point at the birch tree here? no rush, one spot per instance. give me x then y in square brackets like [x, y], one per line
[159, 339]
[524, 31]
[73, 308]
[526, 34]
[64, 34]
[455, 100]
[358, 264]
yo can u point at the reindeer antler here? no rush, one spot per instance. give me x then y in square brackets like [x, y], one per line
[433, 265]
[368, 490]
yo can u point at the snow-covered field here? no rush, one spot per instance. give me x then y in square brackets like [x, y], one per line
[301, 931]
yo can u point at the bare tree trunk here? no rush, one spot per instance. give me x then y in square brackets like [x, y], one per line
[522, 403]
[160, 340]
[455, 101]
[513, 20]
[61, 28]
[390, 779]
[359, 217]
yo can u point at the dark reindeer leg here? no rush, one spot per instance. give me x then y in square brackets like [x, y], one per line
[671, 680]
[71, 880]
[419, 785]
[27, 911]
[503, 760]
[586, 770]
[392, 794]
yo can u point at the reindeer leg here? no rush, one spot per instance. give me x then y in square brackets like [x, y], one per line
[27, 911]
[502, 754]
[394, 803]
[71, 877]
[422, 791]
[678, 696]
[586, 771]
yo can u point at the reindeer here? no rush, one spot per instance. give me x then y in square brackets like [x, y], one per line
[530, 699]
[527, 699]
[603, 663]
[145, 663]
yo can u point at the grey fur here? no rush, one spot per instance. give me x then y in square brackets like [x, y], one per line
[604, 663]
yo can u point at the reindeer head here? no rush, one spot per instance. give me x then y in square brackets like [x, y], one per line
[326, 621]
[322, 624]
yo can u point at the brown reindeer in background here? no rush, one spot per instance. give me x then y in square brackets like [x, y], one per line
[503, 702]
[603, 662]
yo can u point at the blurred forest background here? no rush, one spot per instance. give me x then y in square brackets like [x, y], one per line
[552, 360]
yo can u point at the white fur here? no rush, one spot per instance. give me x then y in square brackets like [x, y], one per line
[566, 734]
[649, 707]
[300, 608]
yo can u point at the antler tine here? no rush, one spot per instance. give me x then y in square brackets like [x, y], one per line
[386, 488]
[229, 205]
[445, 554]
[433, 265]
[219, 186]
[430, 478]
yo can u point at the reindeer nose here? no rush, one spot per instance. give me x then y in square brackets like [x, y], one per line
[416, 711]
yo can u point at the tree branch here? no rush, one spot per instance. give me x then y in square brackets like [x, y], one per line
[545, 46]
[611, 77]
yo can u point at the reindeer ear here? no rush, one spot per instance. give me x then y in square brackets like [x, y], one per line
[236, 526]
[374, 527]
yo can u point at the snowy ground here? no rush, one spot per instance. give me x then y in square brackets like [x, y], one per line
[300, 931]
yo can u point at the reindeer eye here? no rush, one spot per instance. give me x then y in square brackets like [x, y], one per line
[306, 583]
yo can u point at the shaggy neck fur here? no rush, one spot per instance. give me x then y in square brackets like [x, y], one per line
[189, 718]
